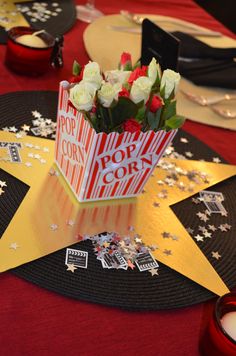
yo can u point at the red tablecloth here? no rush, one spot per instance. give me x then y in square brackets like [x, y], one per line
[34, 321]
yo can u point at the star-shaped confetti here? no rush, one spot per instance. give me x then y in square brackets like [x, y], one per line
[216, 255]
[153, 271]
[167, 252]
[70, 222]
[216, 160]
[71, 267]
[25, 127]
[212, 227]
[190, 230]
[14, 246]
[54, 227]
[183, 140]
[165, 235]
[198, 237]
[222, 228]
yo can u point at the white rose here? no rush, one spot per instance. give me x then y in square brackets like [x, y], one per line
[108, 93]
[154, 70]
[169, 82]
[92, 74]
[82, 96]
[117, 76]
[140, 89]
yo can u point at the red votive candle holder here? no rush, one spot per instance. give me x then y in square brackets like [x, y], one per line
[25, 58]
[220, 336]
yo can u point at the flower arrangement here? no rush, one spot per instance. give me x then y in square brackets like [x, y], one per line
[130, 98]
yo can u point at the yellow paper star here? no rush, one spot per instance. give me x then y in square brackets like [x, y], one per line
[12, 17]
[49, 199]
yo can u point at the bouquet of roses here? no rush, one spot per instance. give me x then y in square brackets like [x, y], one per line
[126, 99]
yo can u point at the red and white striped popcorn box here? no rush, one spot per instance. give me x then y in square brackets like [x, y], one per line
[100, 166]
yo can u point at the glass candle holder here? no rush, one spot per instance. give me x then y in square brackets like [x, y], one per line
[28, 58]
[220, 336]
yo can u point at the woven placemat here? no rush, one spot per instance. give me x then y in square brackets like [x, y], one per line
[60, 18]
[129, 289]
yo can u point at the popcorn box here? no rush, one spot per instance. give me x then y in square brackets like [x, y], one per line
[100, 166]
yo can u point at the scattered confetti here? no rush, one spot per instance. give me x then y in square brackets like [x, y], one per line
[167, 252]
[198, 237]
[216, 255]
[71, 268]
[14, 246]
[54, 227]
[216, 160]
[153, 271]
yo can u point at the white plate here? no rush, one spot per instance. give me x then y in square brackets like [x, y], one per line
[105, 47]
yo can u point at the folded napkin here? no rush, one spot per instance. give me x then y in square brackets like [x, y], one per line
[206, 65]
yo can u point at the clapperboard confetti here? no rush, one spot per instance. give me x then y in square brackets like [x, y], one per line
[76, 258]
[145, 262]
[116, 260]
[213, 201]
[13, 150]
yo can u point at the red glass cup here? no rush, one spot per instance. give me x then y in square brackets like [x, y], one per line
[216, 341]
[24, 59]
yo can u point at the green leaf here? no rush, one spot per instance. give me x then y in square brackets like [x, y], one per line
[123, 110]
[140, 115]
[174, 122]
[137, 64]
[169, 110]
[76, 68]
[154, 119]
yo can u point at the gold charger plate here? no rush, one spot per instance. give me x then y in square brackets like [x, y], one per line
[104, 46]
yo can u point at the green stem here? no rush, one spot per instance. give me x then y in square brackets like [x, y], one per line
[87, 117]
[110, 117]
[146, 112]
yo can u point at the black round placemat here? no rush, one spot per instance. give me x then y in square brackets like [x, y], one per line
[56, 24]
[130, 289]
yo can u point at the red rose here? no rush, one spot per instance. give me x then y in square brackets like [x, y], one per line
[125, 61]
[138, 72]
[94, 109]
[124, 92]
[131, 125]
[155, 104]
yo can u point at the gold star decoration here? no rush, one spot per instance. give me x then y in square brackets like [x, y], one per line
[49, 200]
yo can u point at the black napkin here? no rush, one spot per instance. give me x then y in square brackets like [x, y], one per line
[206, 65]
